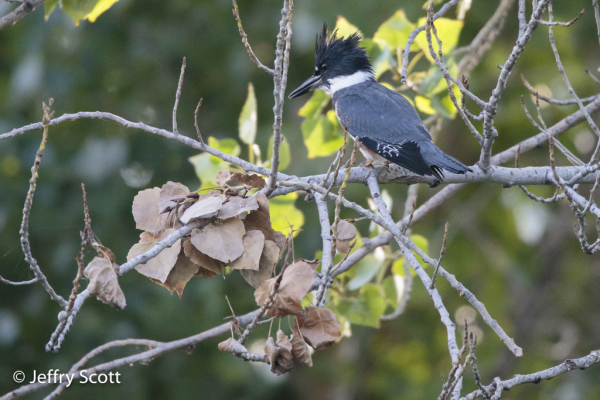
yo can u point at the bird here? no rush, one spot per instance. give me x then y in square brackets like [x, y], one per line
[386, 124]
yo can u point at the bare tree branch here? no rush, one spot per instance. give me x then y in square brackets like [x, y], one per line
[18, 13]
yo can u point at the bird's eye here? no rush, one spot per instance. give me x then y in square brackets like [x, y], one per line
[324, 67]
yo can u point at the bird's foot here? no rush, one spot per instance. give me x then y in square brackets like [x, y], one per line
[387, 164]
[366, 164]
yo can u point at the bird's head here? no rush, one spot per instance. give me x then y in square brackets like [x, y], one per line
[339, 62]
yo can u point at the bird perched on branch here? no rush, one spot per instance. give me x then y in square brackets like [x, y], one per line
[385, 123]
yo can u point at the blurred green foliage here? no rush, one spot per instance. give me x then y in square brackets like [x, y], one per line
[520, 258]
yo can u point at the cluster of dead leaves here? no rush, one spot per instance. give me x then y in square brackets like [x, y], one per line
[318, 328]
[314, 326]
[233, 231]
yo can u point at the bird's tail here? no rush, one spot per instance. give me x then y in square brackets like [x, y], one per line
[439, 160]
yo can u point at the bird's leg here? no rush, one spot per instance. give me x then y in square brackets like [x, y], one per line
[366, 164]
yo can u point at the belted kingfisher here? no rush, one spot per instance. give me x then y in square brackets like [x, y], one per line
[385, 123]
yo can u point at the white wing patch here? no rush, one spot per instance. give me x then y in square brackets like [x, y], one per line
[391, 151]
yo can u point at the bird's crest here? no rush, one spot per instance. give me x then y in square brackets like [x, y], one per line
[332, 47]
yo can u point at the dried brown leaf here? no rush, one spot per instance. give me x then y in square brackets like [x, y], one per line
[271, 351]
[254, 242]
[300, 349]
[160, 266]
[311, 263]
[221, 241]
[284, 361]
[170, 191]
[147, 237]
[250, 180]
[201, 259]
[223, 177]
[280, 239]
[205, 273]
[107, 253]
[297, 279]
[319, 327]
[104, 282]
[346, 230]
[233, 346]
[180, 275]
[258, 220]
[236, 206]
[342, 246]
[145, 211]
[206, 207]
[268, 261]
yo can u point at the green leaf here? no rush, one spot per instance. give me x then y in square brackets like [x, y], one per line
[366, 269]
[323, 135]
[367, 309]
[207, 166]
[448, 31]
[284, 154]
[79, 10]
[345, 28]
[381, 56]
[248, 118]
[443, 104]
[317, 102]
[49, 6]
[390, 288]
[423, 244]
[395, 31]
[423, 104]
[284, 212]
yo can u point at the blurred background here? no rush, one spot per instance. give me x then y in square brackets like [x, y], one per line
[519, 257]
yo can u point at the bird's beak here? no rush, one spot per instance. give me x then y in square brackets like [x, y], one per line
[311, 83]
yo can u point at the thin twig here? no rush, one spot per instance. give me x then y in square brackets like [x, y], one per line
[19, 12]
[442, 252]
[177, 96]
[196, 122]
[236, 15]
[24, 232]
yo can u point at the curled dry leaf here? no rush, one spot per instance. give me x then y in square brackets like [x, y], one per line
[222, 242]
[346, 230]
[233, 346]
[319, 327]
[104, 282]
[268, 261]
[297, 279]
[170, 191]
[160, 266]
[145, 211]
[271, 351]
[256, 181]
[284, 362]
[107, 253]
[300, 350]
[207, 206]
[180, 275]
[254, 243]
[201, 259]
[236, 206]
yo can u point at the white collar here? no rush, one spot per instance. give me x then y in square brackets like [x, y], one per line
[345, 81]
